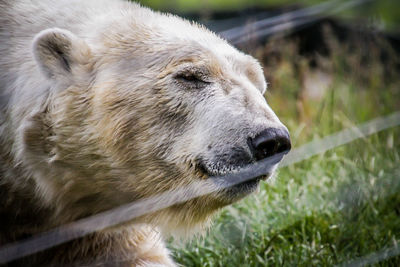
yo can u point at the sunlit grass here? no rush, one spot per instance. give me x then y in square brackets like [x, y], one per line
[328, 209]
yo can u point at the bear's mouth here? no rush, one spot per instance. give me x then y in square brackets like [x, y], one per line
[221, 175]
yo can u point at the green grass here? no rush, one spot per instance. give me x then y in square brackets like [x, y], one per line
[323, 211]
[331, 208]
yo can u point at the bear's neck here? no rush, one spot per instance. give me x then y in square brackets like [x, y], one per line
[21, 215]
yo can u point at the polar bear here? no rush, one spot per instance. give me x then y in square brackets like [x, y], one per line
[105, 102]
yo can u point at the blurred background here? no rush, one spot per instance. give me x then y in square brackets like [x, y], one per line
[330, 65]
[384, 13]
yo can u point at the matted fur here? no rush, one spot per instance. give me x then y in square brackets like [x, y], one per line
[99, 108]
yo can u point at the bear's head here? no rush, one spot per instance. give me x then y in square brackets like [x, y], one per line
[148, 104]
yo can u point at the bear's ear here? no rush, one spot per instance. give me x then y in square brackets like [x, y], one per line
[60, 54]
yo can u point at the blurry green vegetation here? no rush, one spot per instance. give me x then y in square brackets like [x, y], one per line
[382, 13]
[333, 207]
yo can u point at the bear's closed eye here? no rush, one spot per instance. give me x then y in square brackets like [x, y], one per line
[191, 77]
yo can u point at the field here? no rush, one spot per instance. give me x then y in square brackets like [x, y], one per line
[333, 207]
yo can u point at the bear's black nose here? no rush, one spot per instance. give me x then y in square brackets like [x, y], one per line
[270, 142]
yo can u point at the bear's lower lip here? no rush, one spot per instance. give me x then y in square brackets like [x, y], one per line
[204, 170]
[236, 191]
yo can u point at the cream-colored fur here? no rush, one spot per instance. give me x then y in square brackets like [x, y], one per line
[104, 102]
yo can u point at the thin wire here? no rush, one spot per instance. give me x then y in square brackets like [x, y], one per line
[279, 28]
[130, 211]
[269, 26]
[340, 138]
[375, 257]
[237, 32]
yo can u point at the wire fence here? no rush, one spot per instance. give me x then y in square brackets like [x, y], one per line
[136, 209]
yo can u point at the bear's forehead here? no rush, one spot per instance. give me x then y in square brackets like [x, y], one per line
[151, 38]
[151, 31]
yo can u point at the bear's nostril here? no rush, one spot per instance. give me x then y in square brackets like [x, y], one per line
[267, 148]
[270, 142]
[284, 145]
